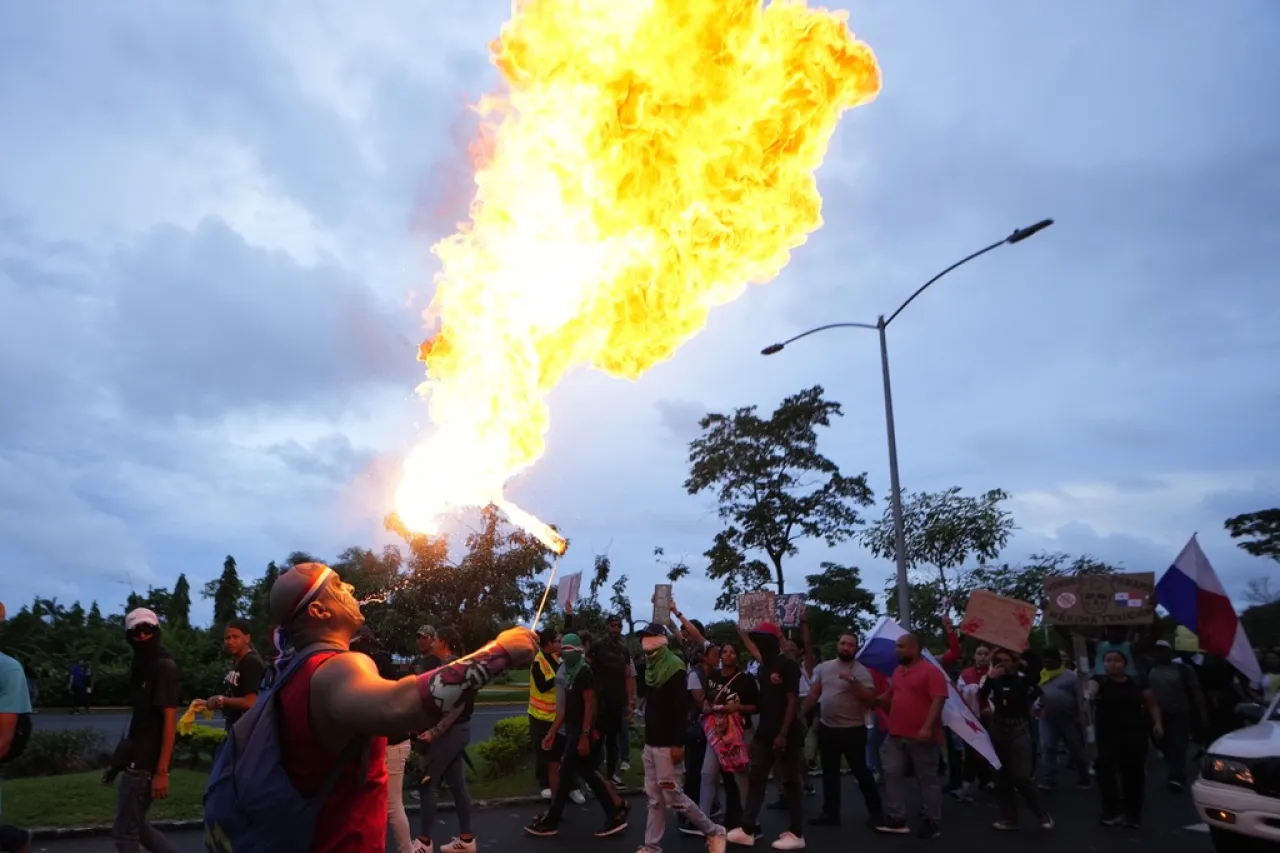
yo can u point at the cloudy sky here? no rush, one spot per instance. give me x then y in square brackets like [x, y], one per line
[214, 223]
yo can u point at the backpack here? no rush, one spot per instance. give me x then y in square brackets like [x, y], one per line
[21, 734]
[251, 805]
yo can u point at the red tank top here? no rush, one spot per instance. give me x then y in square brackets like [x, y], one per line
[354, 817]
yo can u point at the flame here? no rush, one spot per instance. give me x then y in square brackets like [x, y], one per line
[645, 161]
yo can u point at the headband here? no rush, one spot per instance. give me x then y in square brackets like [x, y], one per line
[317, 584]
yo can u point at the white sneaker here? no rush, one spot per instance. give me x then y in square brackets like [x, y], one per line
[624, 766]
[457, 845]
[788, 841]
[422, 845]
[739, 836]
[578, 797]
[546, 793]
[616, 779]
[716, 841]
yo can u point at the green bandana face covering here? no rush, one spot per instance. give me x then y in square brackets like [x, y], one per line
[571, 658]
[662, 665]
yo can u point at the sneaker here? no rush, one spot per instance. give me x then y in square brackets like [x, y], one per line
[614, 825]
[825, 820]
[577, 797]
[741, 837]
[1114, 820]
[615, 779]
[1174, 787]
[1004, 826]
[1046, 822]
[624, 766]
[716, 842]
[1047, 786]
[459, 845]
[543, 826]
[962, 795]
[928, 831]
[422, 845]
[1084, 785]
[687, 828]
[788, 841]
[893, 827]
[1130, 823]
[546, 793]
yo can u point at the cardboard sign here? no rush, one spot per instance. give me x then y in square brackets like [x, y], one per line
[1128, 599]
[662, 604]
[1186, 641]
[756, 608]
[1003, 622]
[790, 609]
[569, 590]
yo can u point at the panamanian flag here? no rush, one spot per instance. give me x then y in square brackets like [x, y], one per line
[1193, 595]
[880, 652]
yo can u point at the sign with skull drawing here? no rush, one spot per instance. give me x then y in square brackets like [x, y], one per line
[1127, 599]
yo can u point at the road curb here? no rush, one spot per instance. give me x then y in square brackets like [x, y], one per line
[67, 833]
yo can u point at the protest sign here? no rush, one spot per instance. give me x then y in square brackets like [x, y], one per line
[662, 604]
[1003, 622]
[790, 609]
[1127, 599]
[1185, 640]
[569, 589]
[756, 608]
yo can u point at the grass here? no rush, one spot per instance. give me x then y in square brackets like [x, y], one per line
[80, 799]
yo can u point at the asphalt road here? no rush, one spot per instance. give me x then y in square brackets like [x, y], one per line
[1170, 826]
[112, 723]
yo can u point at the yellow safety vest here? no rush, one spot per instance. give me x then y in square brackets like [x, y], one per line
[542, 704]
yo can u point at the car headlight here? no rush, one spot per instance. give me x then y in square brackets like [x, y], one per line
[1227, 770]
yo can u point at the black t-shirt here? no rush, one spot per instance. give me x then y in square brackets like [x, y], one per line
[1121, 710]
[666, 712]
[610, 660]
[777, 681]
[146, 726]
[575, 703]
[738, 689]
[242, 680]
[1011, 695]
[425, 663]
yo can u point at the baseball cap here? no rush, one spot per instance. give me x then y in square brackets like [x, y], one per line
[767, 628]
[653, 629]
[426, 631]
[140, 616]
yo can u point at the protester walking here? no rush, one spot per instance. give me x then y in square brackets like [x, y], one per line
[1126, 715]
[1011, 693]
[542, 704]
[446, 764]
[1060, 705]
[778, 743]
[1177, 693]
[914, 701]
[15, 730]
[667, 704]
[615, 677]
[243, 680]
[144, 756]
[842, 730]
[730, 698]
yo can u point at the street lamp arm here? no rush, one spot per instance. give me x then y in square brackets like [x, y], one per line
[772, 348]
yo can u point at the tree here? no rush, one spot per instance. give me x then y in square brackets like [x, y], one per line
[1259, 592]
[1261, 529]
[839, 591]
[926, 602]
[944, 530]
[676, 569]
[773, 489]
[226, 592]
[179, 614]
[620, 603]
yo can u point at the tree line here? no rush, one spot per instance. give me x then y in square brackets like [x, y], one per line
[773, 490]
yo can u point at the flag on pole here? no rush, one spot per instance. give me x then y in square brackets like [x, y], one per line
[1193, 595]
[880, 652]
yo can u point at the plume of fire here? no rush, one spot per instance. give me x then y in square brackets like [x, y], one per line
[647, 159]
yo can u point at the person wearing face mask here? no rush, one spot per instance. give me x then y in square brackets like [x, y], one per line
[666, 714]
[778, 742]
[1011, 694]
[1126, 714]
[143, 757]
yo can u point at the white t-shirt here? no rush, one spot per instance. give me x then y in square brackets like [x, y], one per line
[839, 708]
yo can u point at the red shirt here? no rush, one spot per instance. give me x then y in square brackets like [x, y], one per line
[912, 692]
[354, 817]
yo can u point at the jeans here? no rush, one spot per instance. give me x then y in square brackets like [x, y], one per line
[1177, 738]
[923, 757]
[541, 758]
[1015, 748]
[849, 744]
[789, 764]
[735, 788]
[695, 751]
[1122, 777]
[662, 785]
[586, 767]
[875, 743]
[131, 830]
[397, 757]
[446, 764]
[1065, 730]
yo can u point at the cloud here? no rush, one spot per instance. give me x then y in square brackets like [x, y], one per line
[681, 417]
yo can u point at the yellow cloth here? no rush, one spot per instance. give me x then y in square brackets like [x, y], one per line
[1047, 675]
[188, 720]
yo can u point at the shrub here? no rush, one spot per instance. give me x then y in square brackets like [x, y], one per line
[52, 753]
[508, 748]
[200, 746]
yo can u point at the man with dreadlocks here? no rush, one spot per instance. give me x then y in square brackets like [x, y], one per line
[328, 717]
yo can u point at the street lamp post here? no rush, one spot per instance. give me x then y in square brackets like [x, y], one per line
[895, 486]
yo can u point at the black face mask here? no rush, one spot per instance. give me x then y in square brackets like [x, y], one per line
[146, 657]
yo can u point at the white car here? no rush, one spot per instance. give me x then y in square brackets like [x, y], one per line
[1238, 791]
